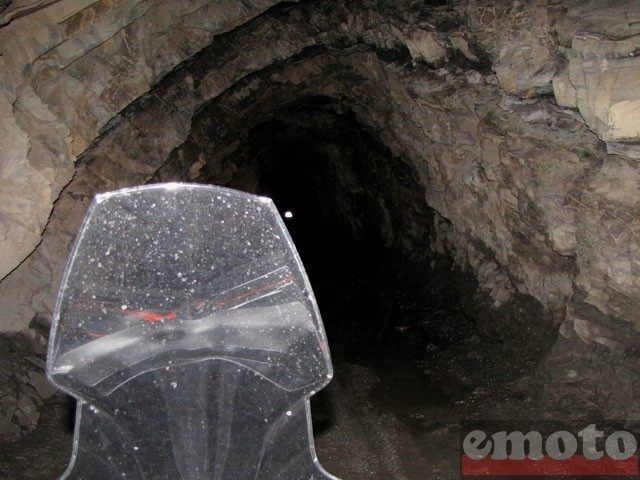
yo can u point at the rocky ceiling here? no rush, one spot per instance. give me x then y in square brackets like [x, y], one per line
[503, 135]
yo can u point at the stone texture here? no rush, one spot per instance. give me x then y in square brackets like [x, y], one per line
[564, 91]
[600, 45]
[67, 68]
[604, 74]
[23, 386]
[585, 53]
[524, 69]
[425, 46]
[21, 220]
[517, 36]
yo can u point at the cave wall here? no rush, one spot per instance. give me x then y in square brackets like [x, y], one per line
[518, 120]
[68, 67]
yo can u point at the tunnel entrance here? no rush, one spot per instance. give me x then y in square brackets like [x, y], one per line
[411, 359]
[406, 349]
[351, 208]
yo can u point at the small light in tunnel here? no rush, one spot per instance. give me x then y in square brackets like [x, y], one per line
[288, 214]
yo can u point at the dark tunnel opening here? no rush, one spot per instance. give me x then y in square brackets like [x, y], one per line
[393, 314]
[350, 206]
[365, 232]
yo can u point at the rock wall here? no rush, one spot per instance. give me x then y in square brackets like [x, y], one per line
[66, 69]
[519, 121]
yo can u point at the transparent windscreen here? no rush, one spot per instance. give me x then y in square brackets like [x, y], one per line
[172, 274]
[187, 330]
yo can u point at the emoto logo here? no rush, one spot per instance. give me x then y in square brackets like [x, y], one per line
[590, 452]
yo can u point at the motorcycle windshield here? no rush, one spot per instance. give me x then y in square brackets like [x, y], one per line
[186, 327]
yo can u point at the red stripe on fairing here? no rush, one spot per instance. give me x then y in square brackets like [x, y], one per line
[155, 316]
[96, 334]
[152, 316]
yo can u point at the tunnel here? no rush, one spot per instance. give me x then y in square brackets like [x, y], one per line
[460, 179]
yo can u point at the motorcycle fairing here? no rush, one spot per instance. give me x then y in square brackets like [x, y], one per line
[187, 329]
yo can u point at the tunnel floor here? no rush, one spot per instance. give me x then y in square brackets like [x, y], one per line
[409, 368]
[408, 371]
